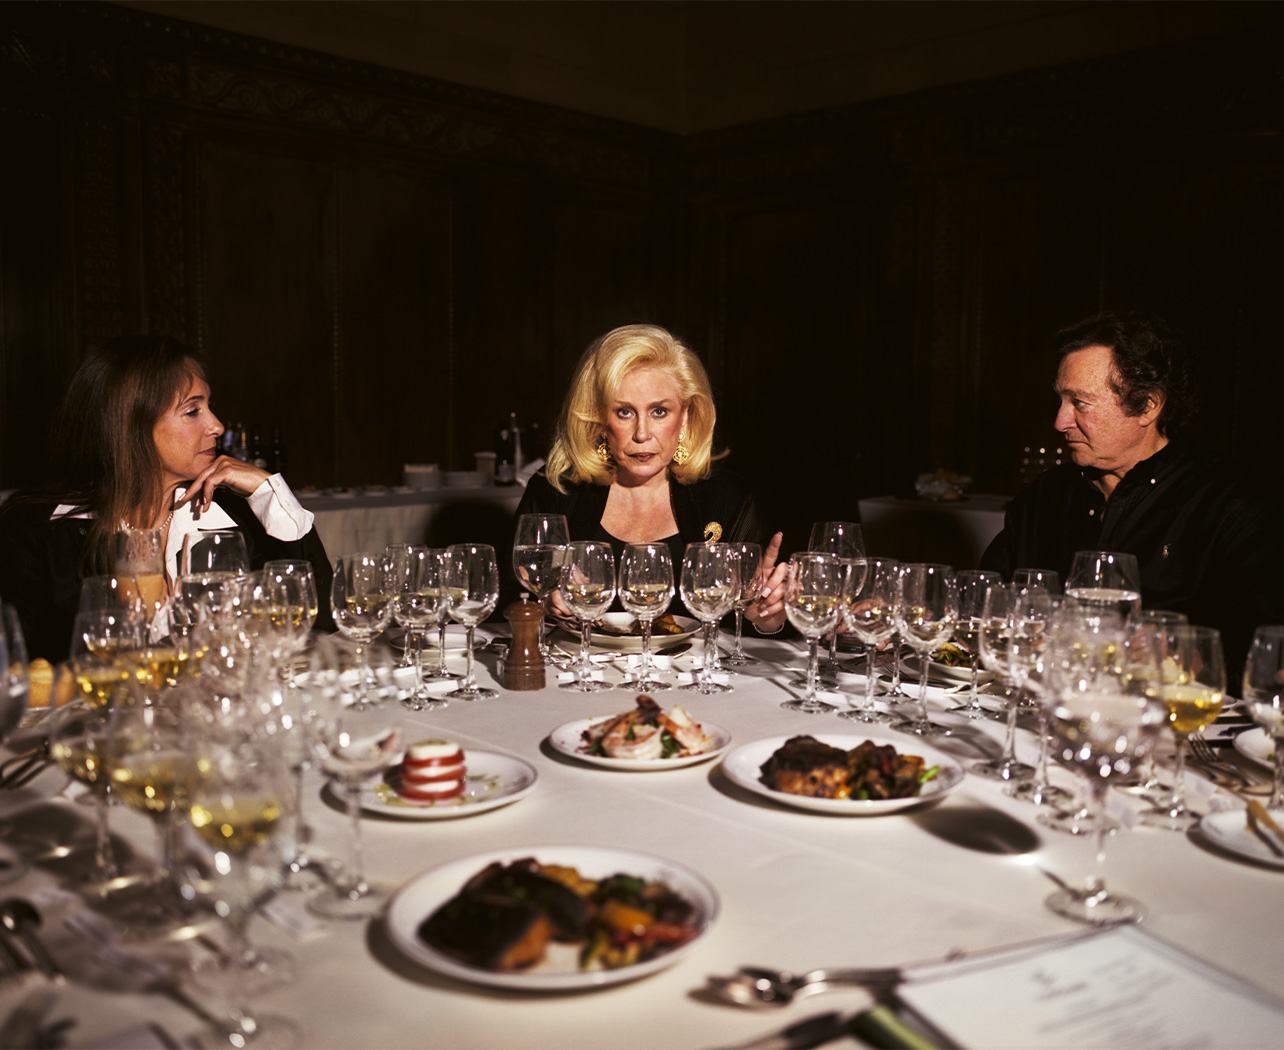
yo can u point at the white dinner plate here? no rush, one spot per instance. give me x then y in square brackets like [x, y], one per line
[1230, 831]
[559, 972]
[744, 767]
[456, 638]
[567, 740]
[491, 780]
[632, 643]
[1255, 744]
[936, 670]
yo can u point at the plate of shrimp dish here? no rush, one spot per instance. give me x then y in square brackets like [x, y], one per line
[644, 739]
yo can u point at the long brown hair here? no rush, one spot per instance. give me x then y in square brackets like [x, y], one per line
[104, 451]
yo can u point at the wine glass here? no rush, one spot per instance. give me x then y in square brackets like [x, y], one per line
[996, 632]
[868, 612]
[974, 584]
[1105, 580]
[14, 685]
[844, 540]
[813, 604]
[100, 643]
[646, 589]
[79, 742]
[750, 555]
[362, 606]
[139, 566]
[103, 592]
[1144, 779]
[709, 585]
[587, 583]
[472, 579]
[1264, 695]
[395, 558]
[354, 743]
[416, 580]
[1098, 689]
[1036, 580]
[237, 808]
[925, 616]
[1192, 686]
[434, 586]
[296, 585]
[218, 550]
[539, 548]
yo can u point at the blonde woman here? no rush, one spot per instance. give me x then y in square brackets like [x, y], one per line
[633, 462]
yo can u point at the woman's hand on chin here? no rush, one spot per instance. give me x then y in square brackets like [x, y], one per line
[242, 478]
[767, 611]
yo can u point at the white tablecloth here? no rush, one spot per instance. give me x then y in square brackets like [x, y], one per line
[798, 889]
[953, 532]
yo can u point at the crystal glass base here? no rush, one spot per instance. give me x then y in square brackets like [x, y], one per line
[263, 1032]
[870, 717]
[1096, 909]
[475, 693]
[591, 685]
[362, 901]
[809, 707]
[918, 727]
[1076, 822]
[1039, 794]
[994, 769]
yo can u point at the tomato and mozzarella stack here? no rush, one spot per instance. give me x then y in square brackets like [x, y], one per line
[431, 771]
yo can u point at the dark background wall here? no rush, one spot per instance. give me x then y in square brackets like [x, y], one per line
[383, 265]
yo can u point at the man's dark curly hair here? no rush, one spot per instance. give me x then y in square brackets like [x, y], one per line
[1149, 359]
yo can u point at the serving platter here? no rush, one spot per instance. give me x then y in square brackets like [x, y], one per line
[492, 780]
[567, 739]
[744, 767]
[559, 971]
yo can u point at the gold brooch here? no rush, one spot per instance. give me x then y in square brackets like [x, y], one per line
[712, 532]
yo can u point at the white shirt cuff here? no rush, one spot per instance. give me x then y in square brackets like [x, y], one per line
[278, 511]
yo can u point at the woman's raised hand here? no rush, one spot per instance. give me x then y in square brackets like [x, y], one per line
[767, 611]
[241, 477]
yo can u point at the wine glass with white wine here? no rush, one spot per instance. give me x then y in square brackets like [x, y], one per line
[472, 580]
[925, 618]
[710, 584]
[813, 604]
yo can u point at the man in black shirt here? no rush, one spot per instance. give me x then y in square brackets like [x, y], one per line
[1205, 544]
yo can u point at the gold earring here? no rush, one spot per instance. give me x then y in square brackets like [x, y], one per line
[681, 454]
[602, 450]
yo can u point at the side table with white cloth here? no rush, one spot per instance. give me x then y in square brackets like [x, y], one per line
[798, 889]
[954, 532]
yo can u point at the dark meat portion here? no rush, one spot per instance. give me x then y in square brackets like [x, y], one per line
[495, 933]
[805, 766]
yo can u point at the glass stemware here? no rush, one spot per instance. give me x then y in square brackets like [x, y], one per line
[362, 606]
[844, 540]
[1192, 685]
[1105, 580]
[14, 686]
[710, 583]
[750, 555]
[973, 584]
[1144, 779]
[1036, 580]
[472, 580]
[587, 584]
[1033, 616]
[997, 631]
[79, 742]
[1264, 696]
[1098, 686]
[416, 582]
[434, 586]
[646, 589]
[218, 550]
[395, 555]
[139, 566]
[539, 548]
[813, 604]
[925, 616]
[868, 612]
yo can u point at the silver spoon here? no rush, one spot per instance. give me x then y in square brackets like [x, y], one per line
[756, 986]
[21, 918]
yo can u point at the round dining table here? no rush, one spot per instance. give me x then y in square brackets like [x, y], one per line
[964, 872]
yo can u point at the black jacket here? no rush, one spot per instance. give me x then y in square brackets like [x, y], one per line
[1206, 543]
[42, 563]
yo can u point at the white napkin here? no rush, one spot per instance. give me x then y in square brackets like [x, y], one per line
[569, 676]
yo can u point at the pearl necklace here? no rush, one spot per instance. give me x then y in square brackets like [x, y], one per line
[126, 526]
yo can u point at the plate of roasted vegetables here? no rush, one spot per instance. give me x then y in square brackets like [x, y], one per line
[844, 775]
[553, 919]
[644, 739]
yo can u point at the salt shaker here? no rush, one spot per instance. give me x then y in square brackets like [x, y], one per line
[524, 667]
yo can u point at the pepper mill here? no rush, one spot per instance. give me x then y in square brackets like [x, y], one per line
[524, 667]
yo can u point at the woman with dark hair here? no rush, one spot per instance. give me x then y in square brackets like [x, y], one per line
[136, 446]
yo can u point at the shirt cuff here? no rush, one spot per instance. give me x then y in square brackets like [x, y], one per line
[278, 511]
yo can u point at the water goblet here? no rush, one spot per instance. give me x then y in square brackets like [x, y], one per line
[868, 611]
[472, 579]
[1105, 580]
[362, 606]
[587, 585]
[813, 604]
[709, 585]
[1264, 696]
[539, 548]
[646, 589]
[751, 582]
[974, 584]
[925, 617]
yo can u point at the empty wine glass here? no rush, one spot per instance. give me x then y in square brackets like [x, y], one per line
[472, 579]
[710, 583]
[416, 579]
[1034, 615]
[973, 584]
[1192, 686]
[434, 586]
[646, 589]
[1098, 680]
[844, 540]
[103, 592]
[395, 557]
[1036, 580]
[587, 584]
[1264, 695]
[539, 548]
[362, 605]
[218, 550]
[996, 633]
[869, 613]
[925, 617]
[1105, 580]
[813, 604]
[750, 555]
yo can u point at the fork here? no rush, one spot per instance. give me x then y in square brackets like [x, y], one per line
[1217, 768]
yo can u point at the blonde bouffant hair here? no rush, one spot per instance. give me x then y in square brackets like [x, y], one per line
[573, 457]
